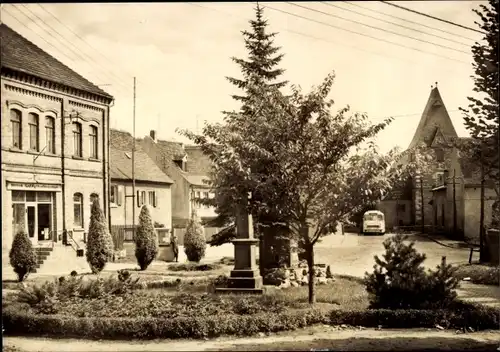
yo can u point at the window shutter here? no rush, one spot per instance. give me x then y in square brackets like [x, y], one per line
[138, 199]
[155, 199]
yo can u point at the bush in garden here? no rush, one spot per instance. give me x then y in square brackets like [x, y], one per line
[146, 240]
[329, 274]
[399, 280]
[274, 276]
[194, 240]
[99, 241]
[22, 256]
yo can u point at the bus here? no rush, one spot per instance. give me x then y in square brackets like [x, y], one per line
[373, 222]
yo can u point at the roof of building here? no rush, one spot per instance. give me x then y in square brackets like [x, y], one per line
[196, 180]
[20, 54]
[174, 150]
[120, 151]
[435, 117]
[198, 163]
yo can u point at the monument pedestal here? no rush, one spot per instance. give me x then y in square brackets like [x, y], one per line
[245, 277]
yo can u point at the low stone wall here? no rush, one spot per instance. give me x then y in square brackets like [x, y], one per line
[493, 239]
[299, 276]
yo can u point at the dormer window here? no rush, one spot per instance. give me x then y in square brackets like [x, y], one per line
[180, 164]
[439, 179]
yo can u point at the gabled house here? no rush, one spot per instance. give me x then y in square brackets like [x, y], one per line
[55, 130]
[189, 168]
[430, 200]
[152, 187]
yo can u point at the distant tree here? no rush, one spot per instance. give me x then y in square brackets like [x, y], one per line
[308, 166]
[194, 239]
[146, 240]
[99, 241]
[482, 116]
[22, 255]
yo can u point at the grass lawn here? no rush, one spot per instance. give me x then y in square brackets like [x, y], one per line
[197, 298]
[479, 273]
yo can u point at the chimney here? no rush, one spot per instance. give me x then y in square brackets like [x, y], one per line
[152, 134]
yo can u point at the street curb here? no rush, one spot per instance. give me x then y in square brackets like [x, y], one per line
[441, 243]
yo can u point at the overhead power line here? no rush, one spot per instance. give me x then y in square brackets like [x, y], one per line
[58, 50]
[406, 20]
[78, 53]
[83, 40]
[396, 24]
[323, 39]
[365, 35]
[377, 28]
[433, 17]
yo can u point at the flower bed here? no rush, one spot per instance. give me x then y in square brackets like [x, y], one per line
[110, 308]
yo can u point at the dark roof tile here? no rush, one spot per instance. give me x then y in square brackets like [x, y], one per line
[19, 54]
[120, 151]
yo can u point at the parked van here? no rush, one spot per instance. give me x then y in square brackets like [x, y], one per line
[373, 222]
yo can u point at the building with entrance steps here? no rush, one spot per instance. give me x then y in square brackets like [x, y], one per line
[55, 157]
[451, 189]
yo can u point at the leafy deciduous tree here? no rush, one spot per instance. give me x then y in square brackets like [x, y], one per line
[316, 173]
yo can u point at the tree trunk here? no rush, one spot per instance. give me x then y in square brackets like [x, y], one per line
[310, 265]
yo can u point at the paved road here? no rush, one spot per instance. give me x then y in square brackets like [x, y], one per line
[351, 254]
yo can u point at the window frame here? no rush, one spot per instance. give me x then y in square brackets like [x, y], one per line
[16, 118]
[50, 131]
[94, 142]
[80, 205]
[77, 139]
[439, 155]
[34, 128]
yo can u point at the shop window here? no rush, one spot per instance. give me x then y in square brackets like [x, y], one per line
[78, 210]
[31, 196]
[18, 196]
[15, 121]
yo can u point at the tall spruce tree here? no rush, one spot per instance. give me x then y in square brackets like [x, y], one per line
[482, 116]
[260, 69]
[261, 66]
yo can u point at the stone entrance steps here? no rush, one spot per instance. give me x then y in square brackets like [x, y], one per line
[42, 254]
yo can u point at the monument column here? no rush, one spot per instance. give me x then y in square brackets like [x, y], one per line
[245, 276]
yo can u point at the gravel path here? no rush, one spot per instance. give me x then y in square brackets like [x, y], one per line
[343, 338]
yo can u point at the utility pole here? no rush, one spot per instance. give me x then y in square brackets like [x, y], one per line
[454, 205]
[422, 202]
[133, 171]
[482, 252]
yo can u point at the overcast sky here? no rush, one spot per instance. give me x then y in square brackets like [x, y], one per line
[180, 54]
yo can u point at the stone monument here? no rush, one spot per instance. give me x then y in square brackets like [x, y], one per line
[245, 277]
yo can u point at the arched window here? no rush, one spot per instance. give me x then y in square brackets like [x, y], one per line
[50, 134]
[77, 139]
[15, 121]
[78, 210]
[33, 125]
[93, 142]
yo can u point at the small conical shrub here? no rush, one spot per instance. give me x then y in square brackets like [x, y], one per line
[194, 240]
[328, 273]
[22, 255]
[99, 241]
[146, 241]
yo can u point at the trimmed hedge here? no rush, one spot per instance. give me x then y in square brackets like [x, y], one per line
[17, 322]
